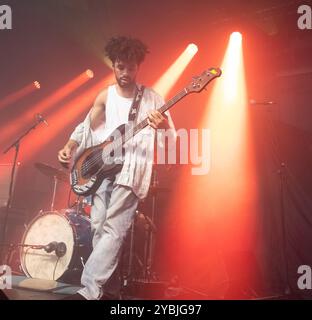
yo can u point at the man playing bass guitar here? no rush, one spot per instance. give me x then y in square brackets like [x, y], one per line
[115, 201]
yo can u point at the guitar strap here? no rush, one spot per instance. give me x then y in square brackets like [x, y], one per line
[135, 107]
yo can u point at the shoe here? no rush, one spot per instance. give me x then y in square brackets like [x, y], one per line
[75, 296]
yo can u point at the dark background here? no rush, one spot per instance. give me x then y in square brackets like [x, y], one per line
[52, 41]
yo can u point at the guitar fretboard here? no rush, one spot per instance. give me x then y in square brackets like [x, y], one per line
[165, 107]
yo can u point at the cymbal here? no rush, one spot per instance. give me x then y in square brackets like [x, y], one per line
[52, 172]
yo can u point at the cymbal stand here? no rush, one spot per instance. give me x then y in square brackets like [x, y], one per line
[150, 245]
[54, 192]
[128, 276]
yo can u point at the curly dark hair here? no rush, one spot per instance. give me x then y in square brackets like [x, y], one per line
[126, 49]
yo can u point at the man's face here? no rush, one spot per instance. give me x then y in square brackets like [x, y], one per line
[125, 73]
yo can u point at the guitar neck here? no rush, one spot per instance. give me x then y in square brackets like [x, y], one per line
[144, 123]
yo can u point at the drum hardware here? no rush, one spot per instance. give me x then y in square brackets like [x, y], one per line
[128, 271]
[149, 224]
[149, 248]
[146, 224]
[56, 174]
[82, 262]
[59, 175]
[142, 222]
[52, 172]
[81, 205]
[75, 224]
[54, 193]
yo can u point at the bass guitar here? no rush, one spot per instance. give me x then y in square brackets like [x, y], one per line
[95, 163]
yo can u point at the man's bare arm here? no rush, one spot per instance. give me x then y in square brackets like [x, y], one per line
[98, 110]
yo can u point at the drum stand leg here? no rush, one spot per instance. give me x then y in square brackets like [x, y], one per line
[147, 255]
[54, 193]
[131, 253]
[150, 234]
[131, 274]
[128, 276]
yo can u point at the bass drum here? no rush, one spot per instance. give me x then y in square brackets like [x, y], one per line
[67, 226]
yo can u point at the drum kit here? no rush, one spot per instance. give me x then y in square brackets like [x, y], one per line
[57, 243]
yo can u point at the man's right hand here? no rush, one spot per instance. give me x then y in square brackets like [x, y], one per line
[65, 154]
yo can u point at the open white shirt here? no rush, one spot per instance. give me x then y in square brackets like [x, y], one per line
[138, 162]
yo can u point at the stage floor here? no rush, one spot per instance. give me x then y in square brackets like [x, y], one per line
[24, 288]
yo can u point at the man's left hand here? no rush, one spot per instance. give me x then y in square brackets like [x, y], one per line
[156, 120]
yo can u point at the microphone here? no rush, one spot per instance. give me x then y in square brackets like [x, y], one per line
[50, 247]
[40, 118]
[255, 102]
[59, 248]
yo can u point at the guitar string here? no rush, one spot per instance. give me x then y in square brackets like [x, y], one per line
[90, 163]
[113, 146]
[137, 128]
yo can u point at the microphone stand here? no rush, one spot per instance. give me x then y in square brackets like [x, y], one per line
[12, 247]
[16, 145]
[283, 174]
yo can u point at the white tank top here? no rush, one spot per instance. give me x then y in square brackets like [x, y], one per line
[117, 110]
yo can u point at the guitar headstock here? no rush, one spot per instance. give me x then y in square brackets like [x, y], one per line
[200, 82]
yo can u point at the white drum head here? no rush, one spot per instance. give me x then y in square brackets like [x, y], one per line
[48, 227]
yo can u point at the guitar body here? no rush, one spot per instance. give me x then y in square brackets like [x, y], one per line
[91, 167]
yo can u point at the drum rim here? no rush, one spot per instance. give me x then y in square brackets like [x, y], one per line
[39, 215]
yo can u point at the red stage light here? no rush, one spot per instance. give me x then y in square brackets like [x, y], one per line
[170, 77]
[37, 84]
[223, 202]
[192, 49]
[90, 73]
[45, 104]
[236, 36]
[17, 95]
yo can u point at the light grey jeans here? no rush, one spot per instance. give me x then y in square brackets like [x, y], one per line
[112, 214]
